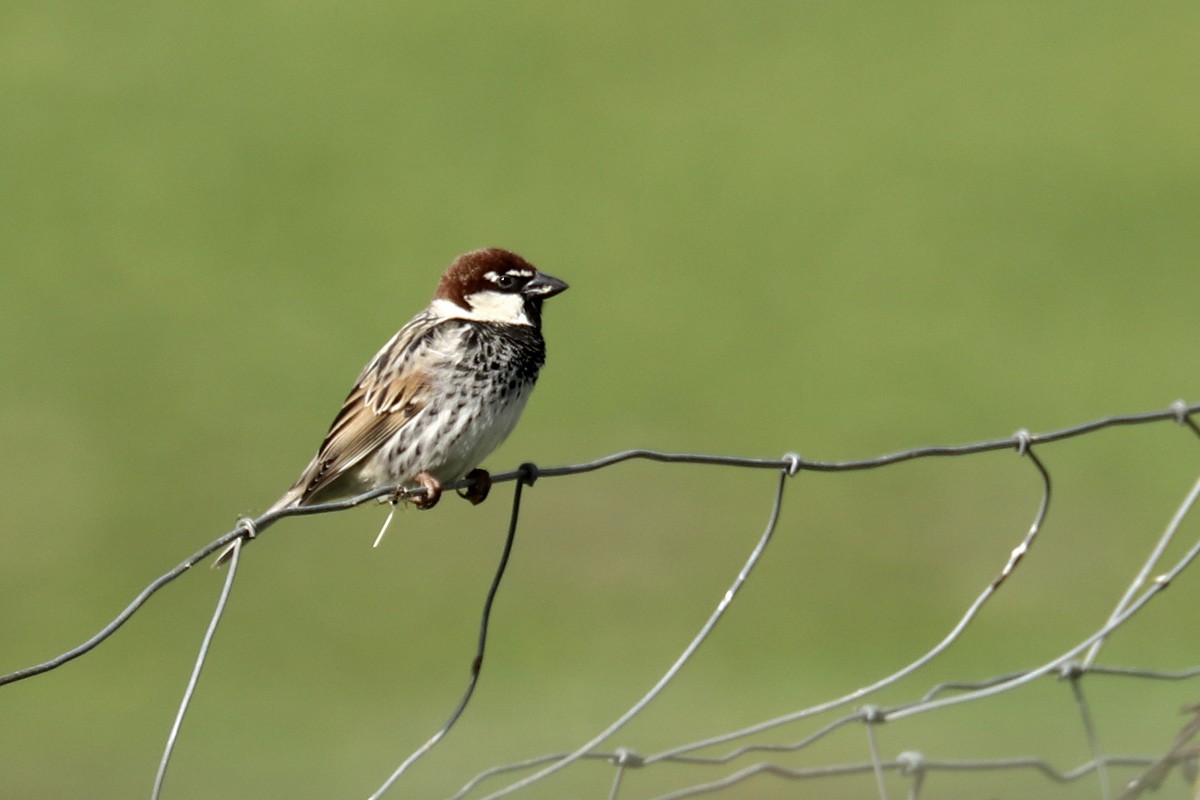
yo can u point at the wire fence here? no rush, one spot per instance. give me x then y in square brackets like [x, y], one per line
[762, 750]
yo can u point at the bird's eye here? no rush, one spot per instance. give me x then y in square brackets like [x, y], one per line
[506, 281]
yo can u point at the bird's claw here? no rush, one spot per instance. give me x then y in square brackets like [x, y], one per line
[481, 484]
[433, 491]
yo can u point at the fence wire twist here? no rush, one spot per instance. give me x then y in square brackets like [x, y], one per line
[1072, 665]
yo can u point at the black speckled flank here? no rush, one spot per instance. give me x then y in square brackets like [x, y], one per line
[483, 388]
[502, 355]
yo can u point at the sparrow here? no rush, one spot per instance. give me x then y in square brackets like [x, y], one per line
[443, 393]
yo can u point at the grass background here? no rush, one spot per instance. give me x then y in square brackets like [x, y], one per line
[840, 230]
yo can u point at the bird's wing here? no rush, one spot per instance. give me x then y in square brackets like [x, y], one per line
[392, 389]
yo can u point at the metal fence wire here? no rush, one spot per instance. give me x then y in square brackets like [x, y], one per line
[725, 765]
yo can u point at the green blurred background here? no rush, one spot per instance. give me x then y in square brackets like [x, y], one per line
[836, 229]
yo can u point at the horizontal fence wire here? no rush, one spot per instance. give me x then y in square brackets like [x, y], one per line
[731, 749]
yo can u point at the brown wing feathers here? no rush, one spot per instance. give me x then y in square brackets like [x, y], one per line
[389, 392]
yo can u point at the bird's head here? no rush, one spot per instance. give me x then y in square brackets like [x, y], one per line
[494, 285]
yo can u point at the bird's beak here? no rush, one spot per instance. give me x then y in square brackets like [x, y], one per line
[543, 286]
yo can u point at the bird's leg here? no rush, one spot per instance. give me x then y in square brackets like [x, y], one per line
[433, 491]
[481, 484]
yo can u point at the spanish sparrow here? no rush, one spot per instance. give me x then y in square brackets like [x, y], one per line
[443, 393]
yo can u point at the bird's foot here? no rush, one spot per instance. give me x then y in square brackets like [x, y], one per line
[481, 484]
[433, 491]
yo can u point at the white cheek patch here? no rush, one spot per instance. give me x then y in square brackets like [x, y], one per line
[487, 306]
